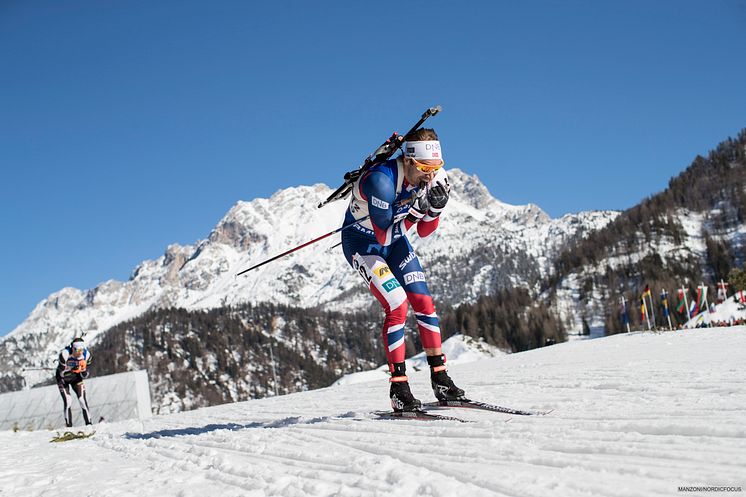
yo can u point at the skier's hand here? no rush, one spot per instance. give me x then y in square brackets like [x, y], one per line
[419, 207]
[437, 196]
[84, 374]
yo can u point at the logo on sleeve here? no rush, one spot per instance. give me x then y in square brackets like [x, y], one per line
[377, 202]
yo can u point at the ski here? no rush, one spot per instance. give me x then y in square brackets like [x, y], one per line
[69, 435]
[417, 416]
[474, 404]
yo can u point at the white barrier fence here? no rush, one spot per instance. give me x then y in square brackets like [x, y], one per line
[114, 397]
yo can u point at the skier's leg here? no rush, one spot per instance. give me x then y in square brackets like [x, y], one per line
[67, 410]
[83, 401]
[407, 269]
[367, 260]
[387, 290]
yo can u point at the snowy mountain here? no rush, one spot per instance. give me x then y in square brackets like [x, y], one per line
[639, 414]
[482, 244]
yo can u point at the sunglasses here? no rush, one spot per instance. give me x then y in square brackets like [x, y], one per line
[426, 168]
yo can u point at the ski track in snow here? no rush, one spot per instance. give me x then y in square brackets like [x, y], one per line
[638, 414]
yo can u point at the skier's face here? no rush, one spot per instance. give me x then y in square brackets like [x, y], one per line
[421, 172]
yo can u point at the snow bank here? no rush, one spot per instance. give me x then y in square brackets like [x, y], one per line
[458, 349]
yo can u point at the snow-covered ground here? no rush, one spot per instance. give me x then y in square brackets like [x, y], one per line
[730, 311]
[634, 415]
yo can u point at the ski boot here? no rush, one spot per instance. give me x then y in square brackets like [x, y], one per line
[443, 386]
[401, 396]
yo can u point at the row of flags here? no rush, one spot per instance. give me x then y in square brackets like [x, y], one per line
[687, 306]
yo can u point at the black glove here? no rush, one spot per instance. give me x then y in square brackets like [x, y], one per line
[419, 208]
[437, 197]
[84, 374]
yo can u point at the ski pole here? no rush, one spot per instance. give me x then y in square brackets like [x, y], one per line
[310, 242]
[301, 246]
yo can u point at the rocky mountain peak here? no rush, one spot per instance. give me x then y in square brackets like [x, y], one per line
[482, 244]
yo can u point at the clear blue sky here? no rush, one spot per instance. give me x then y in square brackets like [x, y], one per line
[129, 125]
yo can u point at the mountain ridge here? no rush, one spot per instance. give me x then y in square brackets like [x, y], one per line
[482, 244]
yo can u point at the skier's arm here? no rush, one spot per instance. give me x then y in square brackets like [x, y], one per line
[85, 369]
[437, 197]
[379, 191]
[427, 225]
[62, 362]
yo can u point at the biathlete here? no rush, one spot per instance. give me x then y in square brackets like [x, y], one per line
[405, 193]
[73, 367]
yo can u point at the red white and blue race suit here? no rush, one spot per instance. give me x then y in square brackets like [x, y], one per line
[379, 250]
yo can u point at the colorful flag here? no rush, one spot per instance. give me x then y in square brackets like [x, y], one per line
[741, 297]
[681, 308]
[664, 302]
[694, 308]
[646, 293]
[642, 308]
[702, 300]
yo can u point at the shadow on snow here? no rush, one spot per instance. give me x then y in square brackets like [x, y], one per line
[200, 430]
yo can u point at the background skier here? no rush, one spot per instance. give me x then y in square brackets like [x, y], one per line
[73, 367]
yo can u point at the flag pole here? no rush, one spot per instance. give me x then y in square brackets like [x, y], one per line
[685, 290]
[707, 306]
[651, 311]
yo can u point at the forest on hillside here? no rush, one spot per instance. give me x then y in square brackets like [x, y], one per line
[711, 188]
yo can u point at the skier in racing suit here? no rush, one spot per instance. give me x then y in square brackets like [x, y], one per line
[73, 366]
[407, 192]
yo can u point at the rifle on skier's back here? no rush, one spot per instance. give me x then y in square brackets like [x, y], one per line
[382, 154]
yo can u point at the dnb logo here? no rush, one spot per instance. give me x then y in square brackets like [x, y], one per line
[390, 285]
[381, 204]
[381, 271]
[414, 277]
